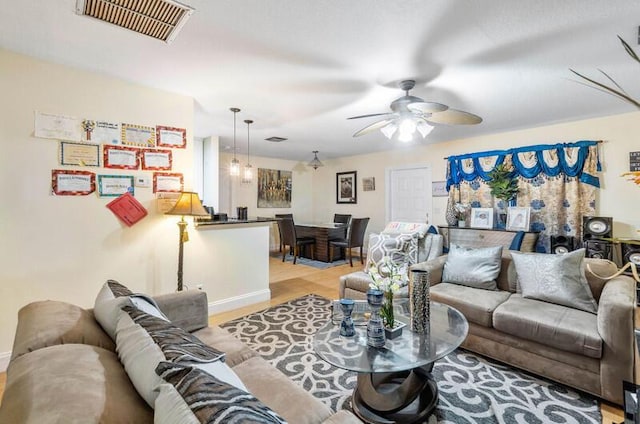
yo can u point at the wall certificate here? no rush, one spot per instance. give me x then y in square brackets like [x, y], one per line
[115, 185]
[156, 159]
[171, 137]
[79, 154]
[166, 181]
[72, 183]
[120, 157]
[102, 132]
[48, 125]
[138, 135]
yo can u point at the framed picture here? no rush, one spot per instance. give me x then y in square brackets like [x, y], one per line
[120, 157]
[439, 189]
[369, 184]
[115, 185]
[156, 160]
[72, 183]
[482, 218]
[518, 218]
[171, 137]
[346, 189]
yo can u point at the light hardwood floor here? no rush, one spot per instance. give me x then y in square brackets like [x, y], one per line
[288, 281]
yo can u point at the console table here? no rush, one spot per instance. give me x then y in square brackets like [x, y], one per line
[478, 237]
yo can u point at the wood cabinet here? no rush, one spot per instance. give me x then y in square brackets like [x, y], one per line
[477, 237]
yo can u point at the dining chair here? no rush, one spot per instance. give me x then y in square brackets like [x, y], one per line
[355, 238]
[341, 219]
[282, 216]
[289, 238]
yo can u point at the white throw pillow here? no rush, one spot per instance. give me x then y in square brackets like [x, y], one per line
[473, 267]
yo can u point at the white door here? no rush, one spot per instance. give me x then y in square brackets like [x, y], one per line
[408, 194]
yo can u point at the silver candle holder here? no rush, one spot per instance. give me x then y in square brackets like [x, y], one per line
[419, 301]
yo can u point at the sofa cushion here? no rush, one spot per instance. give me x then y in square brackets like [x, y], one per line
[477, 305]
[290, 400]
[71, 383]
[49, 323]
[553, 325]
[193, 396]
[473, 267]
[235, 351]
[553, 278]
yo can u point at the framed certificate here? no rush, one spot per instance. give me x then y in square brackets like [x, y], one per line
[156, 160]
[72, 183]
[127, 209]
[120, 157]
[138, 135]
[171, 137]
[115, 185]
[167, 181]
[79, 154]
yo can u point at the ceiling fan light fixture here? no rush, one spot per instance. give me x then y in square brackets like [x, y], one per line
[389, 130]
[315, 162]
[407, 129]
[424, 128]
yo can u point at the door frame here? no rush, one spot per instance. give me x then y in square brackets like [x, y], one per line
[387, 188]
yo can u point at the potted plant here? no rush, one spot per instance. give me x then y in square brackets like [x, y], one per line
[504, 186]
[387, 277]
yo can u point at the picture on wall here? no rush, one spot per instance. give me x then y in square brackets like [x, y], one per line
[518, 218]
[369, 184]
[482, 218]
[346, 189]
[274, 188]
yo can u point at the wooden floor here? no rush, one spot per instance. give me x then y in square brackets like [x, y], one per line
[288, 281]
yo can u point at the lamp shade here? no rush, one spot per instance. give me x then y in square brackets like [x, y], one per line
[188, 204]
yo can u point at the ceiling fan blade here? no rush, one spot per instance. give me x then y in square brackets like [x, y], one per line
[454, 117]
[427, 107]
[372, 127]
[369, 116]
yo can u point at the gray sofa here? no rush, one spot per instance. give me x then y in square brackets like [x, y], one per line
[64, 369]
[593, 353]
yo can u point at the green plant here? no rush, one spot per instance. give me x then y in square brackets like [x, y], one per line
[618, 91]
[504, 185]
[387, 276]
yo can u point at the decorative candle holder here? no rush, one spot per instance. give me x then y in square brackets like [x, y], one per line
[347, 328]
[375, 329]
[419, 301]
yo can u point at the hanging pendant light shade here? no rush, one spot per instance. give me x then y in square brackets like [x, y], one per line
[234, 168]
[248, 170]
[315, 163]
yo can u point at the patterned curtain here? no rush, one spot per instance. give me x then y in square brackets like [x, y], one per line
[558, 182]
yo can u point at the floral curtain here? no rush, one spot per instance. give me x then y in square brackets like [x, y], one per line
[558, 182]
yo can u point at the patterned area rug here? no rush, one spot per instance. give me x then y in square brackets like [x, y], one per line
[472, 388]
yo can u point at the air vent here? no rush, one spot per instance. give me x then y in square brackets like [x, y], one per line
[275, 139]
[161, 19]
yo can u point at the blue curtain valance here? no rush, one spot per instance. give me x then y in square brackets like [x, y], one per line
[528, 162]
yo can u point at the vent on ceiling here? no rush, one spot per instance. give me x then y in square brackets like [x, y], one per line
[275, 139]
[161, 19]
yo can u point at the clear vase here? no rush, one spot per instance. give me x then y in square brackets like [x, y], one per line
[375, 329]
[386, 311]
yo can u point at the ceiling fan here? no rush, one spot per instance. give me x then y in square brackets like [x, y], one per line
[411, 113]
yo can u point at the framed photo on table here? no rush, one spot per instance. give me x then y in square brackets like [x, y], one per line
[482, 218]
[346, 188]
[518, 218]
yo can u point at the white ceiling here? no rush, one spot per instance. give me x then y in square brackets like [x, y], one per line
[299, 68]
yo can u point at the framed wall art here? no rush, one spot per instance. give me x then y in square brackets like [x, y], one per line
[115, 185]
[518, 218]
[156, 160]
[120, 157]
[167, 181]
[439, 189]
[138, 135]
[482, 218]
[274, 188]
[171, 137]
[346, 188]
[369, 184]
[72, 183]
[79, 154]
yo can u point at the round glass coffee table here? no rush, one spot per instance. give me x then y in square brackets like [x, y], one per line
[395, 384]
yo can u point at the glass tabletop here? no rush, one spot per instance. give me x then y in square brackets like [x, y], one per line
[448, 329]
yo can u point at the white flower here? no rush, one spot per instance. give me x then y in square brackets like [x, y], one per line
[386, 275]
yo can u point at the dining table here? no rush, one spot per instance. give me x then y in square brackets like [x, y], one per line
[323, 232]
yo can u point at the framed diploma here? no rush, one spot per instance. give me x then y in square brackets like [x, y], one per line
[79, 154]
[72, 183]
[156, 160]
[115, 185]
[171, 137]
[48, 125]
[120, 157]
[138, 135]
[101, 132]
[127, 209]
[166, 181]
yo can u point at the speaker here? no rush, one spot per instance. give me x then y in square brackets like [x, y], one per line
[599, 249]
[630, 253]
[596, 227]
[562, 244]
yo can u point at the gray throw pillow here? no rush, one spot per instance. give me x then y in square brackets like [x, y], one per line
[473, 267]
[556, 279]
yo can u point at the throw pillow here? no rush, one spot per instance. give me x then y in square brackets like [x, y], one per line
[111, 297]
[556, 279]
[193, 396]
[395, 227]
[473, 267]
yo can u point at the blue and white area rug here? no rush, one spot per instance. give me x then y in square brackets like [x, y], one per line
[472, 388]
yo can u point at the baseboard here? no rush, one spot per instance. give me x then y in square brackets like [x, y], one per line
[4, 360]
[239, 301]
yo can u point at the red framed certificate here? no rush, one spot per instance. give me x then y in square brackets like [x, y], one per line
[72, 183]
[171, 137]
[156, 160]
[127, 209]
[120, 157]
[167, 181]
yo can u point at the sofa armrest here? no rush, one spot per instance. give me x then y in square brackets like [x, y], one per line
[342, 417]
[354, 285]
[188, 309]
[433, 267]
[615, 325]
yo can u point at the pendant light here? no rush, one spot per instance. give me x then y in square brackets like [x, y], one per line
[315, 163]
[248, 170]
[234, 168]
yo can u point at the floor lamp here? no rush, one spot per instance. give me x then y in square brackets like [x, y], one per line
[188, 204]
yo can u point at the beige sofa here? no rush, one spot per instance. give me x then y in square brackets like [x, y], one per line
[64, 369]
[593, 353]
